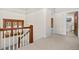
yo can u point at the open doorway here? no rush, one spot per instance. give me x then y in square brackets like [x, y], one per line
[72, 24]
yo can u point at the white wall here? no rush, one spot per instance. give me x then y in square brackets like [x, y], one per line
[60, 20]
[60, 23]
[4, 13]
[48, 22]
[37, 20]
[43, 17]
[41, 22]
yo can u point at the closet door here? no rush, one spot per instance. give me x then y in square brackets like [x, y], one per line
[76, 23]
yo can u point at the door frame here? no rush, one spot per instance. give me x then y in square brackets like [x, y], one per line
[66, 22]
[76, 23]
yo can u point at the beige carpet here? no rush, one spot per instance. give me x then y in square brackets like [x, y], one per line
[54, 42]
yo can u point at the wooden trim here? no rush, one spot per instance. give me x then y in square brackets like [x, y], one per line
[76, 23]
[18, 42]
[31, 34]
[12, 22]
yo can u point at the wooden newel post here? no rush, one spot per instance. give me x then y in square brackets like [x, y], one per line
[31, 34]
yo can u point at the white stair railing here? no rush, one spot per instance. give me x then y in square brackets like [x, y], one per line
[15, 40]
[9, 42]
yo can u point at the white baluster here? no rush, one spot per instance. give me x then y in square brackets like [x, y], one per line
[13, 38]
[9, 40]
[17, 37]
[20, 38]
[23, 37]
[28, 38]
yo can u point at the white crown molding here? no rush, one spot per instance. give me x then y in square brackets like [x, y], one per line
[31, 10]
[14, 10]
[21, 10]
[61, 10]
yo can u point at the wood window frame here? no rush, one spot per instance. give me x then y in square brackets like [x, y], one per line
[12, 25]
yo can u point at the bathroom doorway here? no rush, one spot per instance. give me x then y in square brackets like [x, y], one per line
[72, 24]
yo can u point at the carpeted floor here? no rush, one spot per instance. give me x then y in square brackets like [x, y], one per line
[54, 42]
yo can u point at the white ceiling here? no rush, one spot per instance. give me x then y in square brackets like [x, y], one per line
[53, 10]
[21, 10]
[29, 10]
[57, 10]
